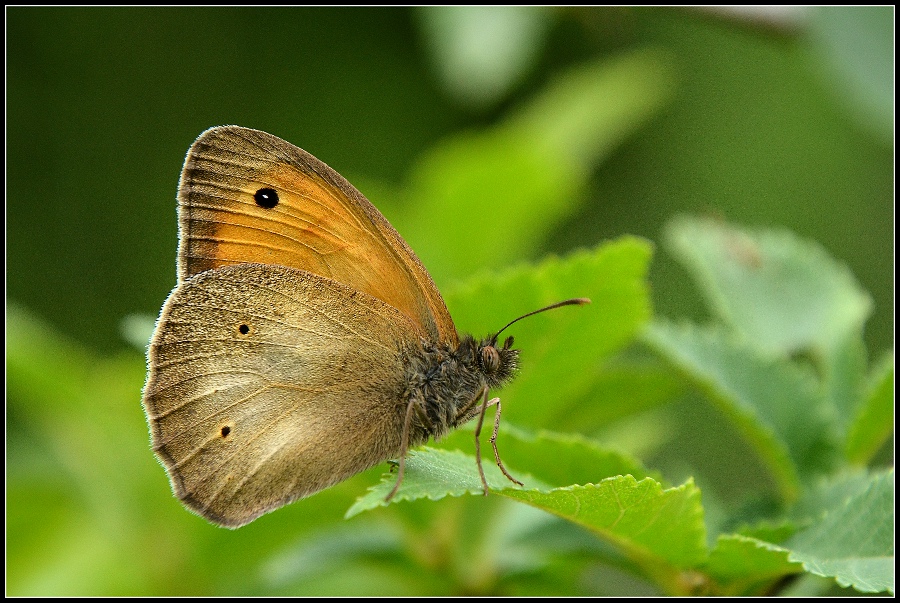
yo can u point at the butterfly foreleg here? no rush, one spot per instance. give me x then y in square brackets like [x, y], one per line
[485, 403]
[463, 412]
[494, 444]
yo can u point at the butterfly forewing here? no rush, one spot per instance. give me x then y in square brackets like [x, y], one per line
[268, 384]
[247, 196]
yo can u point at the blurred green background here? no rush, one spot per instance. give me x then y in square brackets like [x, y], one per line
[767, 118]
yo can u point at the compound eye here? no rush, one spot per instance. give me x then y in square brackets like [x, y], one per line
[490, 358]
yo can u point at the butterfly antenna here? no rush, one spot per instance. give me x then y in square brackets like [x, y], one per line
[578, 301]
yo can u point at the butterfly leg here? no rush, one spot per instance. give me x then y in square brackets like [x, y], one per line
[462, 413]
[494, 444]
[466, 413]
[423, 416]
[484, 406]
[404, 446]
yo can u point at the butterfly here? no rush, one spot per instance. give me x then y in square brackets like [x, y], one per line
[304, 341]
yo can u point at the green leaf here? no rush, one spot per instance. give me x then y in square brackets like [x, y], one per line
[741, 565]
[831, 492]
[553, 458]
[480, 52]
[858, 523]
[776, 406]
[874, 420]
[542, 460]
[857, 45]
[622, 387]
[783, 294]
[770, 531]
[588, 111]
[660, 529]
[482, 201]
[612, 276]
[561, 460]
[434, 474]
[854, 540]
[486, 199]
[843, 368]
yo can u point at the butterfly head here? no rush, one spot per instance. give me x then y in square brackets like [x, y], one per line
[497, 362]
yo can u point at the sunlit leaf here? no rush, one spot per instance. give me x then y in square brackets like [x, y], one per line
[656, 526]
[612, 276]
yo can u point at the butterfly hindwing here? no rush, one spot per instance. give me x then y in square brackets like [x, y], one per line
[269, 384]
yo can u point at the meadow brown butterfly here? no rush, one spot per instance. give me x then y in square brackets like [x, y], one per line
[304, 341]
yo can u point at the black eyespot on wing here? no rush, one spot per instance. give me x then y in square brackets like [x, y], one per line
[266, 198]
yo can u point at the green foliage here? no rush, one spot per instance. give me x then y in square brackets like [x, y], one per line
[874, 419]
[762, 398]
[849, 41]
[612, 276]
[775, 361]
[739, 565]
[771, 383]
[781, 294]
[735, 454]
[853, 542]
[508, 184]
[480, 52]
